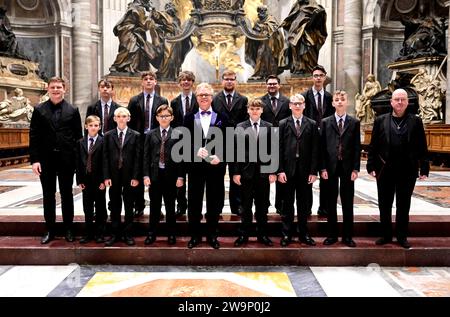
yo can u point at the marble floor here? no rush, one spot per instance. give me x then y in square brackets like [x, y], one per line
[208, 281]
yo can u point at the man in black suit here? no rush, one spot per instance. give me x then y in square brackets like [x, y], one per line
[249, 175]
[142, 109]
[161, 173]
[397, 156]
[104, 107]
[234, 106]
[318, 106]
[299, 154]
[122, 170]
[206, 167]
[276, 108]
[340, 160]
[182, 105]
[54, 129]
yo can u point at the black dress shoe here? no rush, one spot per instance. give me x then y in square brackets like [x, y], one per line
[69, 236]
[383, 241]
[47, 238]
[349, 242]
[193, 242]
[138, 213]
[110, 242]
[404, 243]
[214, 243]
[322, 212]
[86, 239]
[284, 242]
[171, 239]
[240, 241]
[100, 239]
[150, 239]
[265, 240]
[307, 240]
[129, 240]
[330, 241]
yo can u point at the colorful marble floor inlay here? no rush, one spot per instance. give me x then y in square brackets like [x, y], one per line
[175, 284]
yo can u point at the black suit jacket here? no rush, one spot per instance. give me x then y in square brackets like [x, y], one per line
[379, 148]
[238, 112]
[311, 107]
[45, 137]
[282, 112]
[131, 155]
[308, 147]
[351, 144]
[97, 161]
[136, 106]
[152, 148]
[96, 110]
[177, 106]
[248, 168]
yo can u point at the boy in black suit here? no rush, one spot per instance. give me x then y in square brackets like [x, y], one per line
[299, 154]
[161, 173]
[90, 179]
[340, 144]
[254, 183]
[122, 169]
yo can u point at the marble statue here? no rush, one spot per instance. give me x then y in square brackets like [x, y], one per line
[8, 41]
[364, 111]
[18, 108]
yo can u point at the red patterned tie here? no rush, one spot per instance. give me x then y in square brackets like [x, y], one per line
[341, 130]
[105, 118]
[162, 158]
[147, 113]
[120, 150]
[89, 158]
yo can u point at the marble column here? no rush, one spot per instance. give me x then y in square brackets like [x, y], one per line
[81, 50]
[352, 51]
[447, 105]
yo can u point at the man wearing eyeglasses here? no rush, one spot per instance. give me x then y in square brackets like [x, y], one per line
[206, 168]
[319, 105]
[143, 119]
[233, 105]
[276, 108]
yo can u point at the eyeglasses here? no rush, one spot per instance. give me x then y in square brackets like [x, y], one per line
[297, 104]
[204, 95]
[318, 75]
[229, 79]
[166, 116]
[400, 99]
[272, 84]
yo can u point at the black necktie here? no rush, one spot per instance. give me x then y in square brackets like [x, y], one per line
[147, 113]
[187, 105]
[120, 150]
[255, 127]
[162, 155]
[105, 118]
[297, 128]
[319, 106]
[229, 98]
[274, 104]
[341, 129]
[89, 158]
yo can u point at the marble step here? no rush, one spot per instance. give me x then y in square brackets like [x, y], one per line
[433, 251]
[365, 225]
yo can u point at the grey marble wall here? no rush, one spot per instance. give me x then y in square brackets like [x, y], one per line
[387, 53]
[41, 50]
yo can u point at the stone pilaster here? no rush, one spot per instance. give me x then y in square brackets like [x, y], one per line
[352, 51]
[81, 48]
[447, 105]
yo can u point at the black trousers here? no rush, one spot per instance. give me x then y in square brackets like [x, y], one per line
[255, 190]
[204, 176]
[162, 188]
[296, 188]
[51, 171]
[394, 182]
[340, 183]
[181, 197]
[93, 197]
[121, 189]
